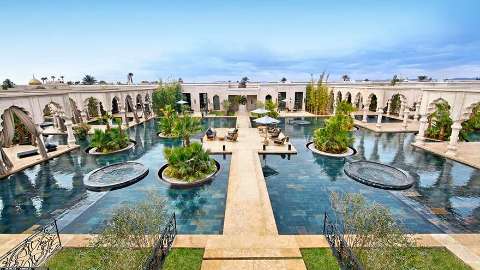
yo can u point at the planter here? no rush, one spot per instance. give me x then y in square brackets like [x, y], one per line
[175, 183]
[351, 151]
[160, 135]
[93, 150]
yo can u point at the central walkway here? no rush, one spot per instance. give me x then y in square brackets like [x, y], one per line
[250, 238]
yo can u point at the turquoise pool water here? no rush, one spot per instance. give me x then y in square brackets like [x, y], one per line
[446, 196]
[55, 189]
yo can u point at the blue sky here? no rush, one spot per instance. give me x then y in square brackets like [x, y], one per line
[226, 40]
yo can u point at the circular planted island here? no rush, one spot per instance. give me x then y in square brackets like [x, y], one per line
[350, 151]
[93, 150]
[179, 183]
[116, 176]
[163, 136]
[379, 175]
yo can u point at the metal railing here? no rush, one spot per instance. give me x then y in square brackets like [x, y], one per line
[340, 248]
[163, 245]
[34, 250]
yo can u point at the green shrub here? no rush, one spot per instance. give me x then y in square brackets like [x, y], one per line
[439, 122]
[271, 107]
[185, 126]
[166, 124]
[166, 94]
[334, 137]
[189, 163]
[109, 140]
[81, 130]
[472, 124]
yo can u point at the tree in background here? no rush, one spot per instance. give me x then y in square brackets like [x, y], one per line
[88, 80]
[317, 96]
[130, 78]
[227, 106]
[166, 94]
[373, 104]
[243, 82]
[53, 78]
[271, 107]
[345, 78]
[7, 83]
[472, 124]
[283, 80]
[395, 104]
[167, 122]
[44, 79]
[92, 107]
[394, 80]
[439, 122]
[423, 78]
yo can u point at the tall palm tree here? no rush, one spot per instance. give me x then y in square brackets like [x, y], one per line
[88, 80]
[186, 126]
[345, 78]
[61, 78]
[53, 78]
[130, 78]
[43, 79]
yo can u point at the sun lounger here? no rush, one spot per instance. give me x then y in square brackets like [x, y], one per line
[281, 141]
[232, 136]
[29, 153]
[211, 134]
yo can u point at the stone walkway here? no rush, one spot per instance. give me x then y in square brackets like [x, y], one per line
[250, 238]
[467, 152]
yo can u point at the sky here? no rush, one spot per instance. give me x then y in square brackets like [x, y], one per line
[206, 41]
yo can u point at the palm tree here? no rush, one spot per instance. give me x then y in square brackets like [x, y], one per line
[61, 78]
[88, 80]
[243, 82]
[186, 126]
[283, 80]
[130, 78]
[7, 83]
[43, 79]
[345, 78]
[53, 78]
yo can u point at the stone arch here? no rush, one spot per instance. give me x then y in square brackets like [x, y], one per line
[469, 127]
[115, 105]
[268, 97]
[397, 104]
[339, 97]
[139, 102]
[92, 107]
[432, 105]
[348, 97]
[372, 102]
[130, 107]
[53, 113]
[216, 103]
[76, 114]
[358, 102]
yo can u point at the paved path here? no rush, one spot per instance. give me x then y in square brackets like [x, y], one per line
[250, 238]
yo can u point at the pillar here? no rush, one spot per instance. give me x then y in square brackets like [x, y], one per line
[365, 108]
[452, 145]
[405, 118]
[420, 139]
[40, 143]
[379, 118]
[417, 111]
[70, 135]
[83, 116]
[402, 110]
[334, 105]
[99, 111]
[124, 116]
[388, 107]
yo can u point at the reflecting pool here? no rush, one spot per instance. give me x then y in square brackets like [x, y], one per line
[373, 119]
[446, 196]
[55, 189]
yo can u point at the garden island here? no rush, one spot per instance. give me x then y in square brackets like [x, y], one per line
[292, 175]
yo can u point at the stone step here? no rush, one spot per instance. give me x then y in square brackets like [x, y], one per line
[252, 247]
[292, 264]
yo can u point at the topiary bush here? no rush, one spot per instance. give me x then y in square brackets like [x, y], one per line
[81, 130]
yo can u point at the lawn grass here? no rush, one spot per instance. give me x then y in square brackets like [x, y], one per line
[184, 259]
[87, 258]
[319, 259]
[431, 258]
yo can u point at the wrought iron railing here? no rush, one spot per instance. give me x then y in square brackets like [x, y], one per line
[163, 245]
[340, 248]
[34, 250]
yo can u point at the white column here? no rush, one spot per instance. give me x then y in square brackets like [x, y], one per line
[124, 116]
[402, 109]
[334, 106]
[83, 116]
[405, 118]
[365, 108]
[40, 143]
[99, 111]
[379, 118]
[417, 111]
[70, 135]
[388, 107]
[452, 145]
[420, 139]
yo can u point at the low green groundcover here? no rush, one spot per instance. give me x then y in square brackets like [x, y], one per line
[431, 258]
[85, 258]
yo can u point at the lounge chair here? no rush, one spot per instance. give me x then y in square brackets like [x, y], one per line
[232, 136]
[281, 141]
[233, 131]
[28, 153]
[275, 133]
[51, 147]
[211, 134]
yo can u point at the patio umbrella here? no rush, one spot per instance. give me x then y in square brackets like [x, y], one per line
[260, 111]
[266, 120]
[182, 102]
[284, 100]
